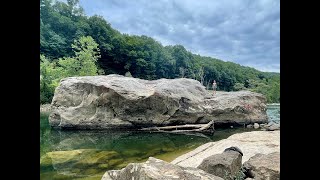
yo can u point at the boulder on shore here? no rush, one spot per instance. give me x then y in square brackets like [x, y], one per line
[156, 169]
[262, 166]
[115, 101]
[225, 165]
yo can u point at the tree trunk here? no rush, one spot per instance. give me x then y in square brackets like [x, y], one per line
[184, 128]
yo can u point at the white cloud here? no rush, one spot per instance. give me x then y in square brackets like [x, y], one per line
[246, 32]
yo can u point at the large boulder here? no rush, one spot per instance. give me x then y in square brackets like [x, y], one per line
[250, 143]
[156, 169]
[115, 101]
[262, 166]
[225, 165]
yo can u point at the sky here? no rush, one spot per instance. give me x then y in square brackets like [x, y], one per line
[246, 32]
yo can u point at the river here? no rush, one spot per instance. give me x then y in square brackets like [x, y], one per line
[86, 155]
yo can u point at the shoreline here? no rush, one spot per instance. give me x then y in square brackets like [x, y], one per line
[172, 155]
[250, 147]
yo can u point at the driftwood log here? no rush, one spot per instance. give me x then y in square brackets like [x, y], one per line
[205, 128]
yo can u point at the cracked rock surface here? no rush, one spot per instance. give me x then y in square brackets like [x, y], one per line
[115, 101]
[156, 169]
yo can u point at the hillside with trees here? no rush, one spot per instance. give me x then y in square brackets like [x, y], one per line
[73, 44]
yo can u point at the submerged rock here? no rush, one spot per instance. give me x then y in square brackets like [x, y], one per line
[114, 101]
[263, 166]
[73, 161]
[156, 169]
[250, 143]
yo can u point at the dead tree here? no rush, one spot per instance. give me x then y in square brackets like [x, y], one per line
[205, 128]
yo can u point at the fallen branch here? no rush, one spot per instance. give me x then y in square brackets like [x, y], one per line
[183, 128]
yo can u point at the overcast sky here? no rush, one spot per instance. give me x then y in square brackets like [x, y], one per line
[246, 32]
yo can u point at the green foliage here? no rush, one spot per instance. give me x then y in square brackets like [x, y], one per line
[238, 87]
[82, 64]
[128, 74]
[49, 76]
[63, 24]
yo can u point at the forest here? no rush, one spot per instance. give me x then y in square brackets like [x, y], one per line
[74, 44]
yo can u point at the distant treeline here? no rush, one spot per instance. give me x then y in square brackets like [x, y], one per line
[63, 24]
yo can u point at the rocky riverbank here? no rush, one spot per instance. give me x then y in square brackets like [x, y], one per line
[251, 143]
[114, 101]
[241, 156]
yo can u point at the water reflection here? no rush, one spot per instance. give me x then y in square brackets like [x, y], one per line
[88, 154]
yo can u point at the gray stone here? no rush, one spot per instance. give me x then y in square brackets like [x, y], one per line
[256, 125]
[273, 127]
[249, 126]
[269, 124]
[263, 166]
[224, 165]
[115, 101]
[234, 148]
[156, 169]
[263, 125]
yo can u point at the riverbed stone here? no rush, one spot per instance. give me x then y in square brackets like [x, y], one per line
[263, 166]
[225, 165]
[256, 125]
[249, 126]
[70, 160]
[156, 169]
[263, 125]
[115, 101]
[273, 127]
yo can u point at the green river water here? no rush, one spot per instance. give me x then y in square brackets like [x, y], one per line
[87, 155]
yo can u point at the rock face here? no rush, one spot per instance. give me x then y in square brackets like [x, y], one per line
[225, 165]
[156, 169]
[114, 101]
[263, 166]
[250, 143]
